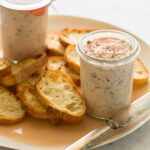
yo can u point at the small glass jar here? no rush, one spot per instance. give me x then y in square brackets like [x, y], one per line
[106, 84]
[23, 27]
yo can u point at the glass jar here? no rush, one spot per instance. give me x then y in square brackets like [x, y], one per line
[23, 27]
[106, 84]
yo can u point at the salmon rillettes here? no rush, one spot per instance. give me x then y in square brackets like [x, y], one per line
[107, 62]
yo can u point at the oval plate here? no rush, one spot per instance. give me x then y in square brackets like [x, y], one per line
[37, 134]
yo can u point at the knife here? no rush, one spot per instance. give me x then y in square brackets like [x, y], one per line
[133, 116]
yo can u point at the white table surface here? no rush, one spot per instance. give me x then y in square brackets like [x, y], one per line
[132, 15]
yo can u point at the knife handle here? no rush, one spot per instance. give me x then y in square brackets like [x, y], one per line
[91, 139]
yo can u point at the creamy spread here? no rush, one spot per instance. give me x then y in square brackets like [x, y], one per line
[23, 33]
[108, 48]
[106, 89]
[106, 86]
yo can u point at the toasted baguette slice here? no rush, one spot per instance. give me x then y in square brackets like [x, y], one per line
[11, 110]
[30, 81]
[56, 90]
[55, 62]
[5, 67]
[140, 73]
[73, 75]
[54, 45]
[31, 103]
[72, 58]
[24, 69]
[71, 36]
[58, 63]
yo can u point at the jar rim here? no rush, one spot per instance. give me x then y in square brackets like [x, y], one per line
[134, 43]
[18, 5]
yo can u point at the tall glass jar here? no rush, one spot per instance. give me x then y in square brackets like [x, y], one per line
[106, 84]
[23, 27]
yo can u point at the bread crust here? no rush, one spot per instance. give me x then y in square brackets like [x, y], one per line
[141, 74]
[71, 62]
[5, 67]
[10, 122]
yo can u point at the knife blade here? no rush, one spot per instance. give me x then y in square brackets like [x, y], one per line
[138, 110]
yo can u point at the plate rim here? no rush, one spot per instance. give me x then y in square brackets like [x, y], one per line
[99, 21]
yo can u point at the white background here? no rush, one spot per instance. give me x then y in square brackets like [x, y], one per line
[133, 15]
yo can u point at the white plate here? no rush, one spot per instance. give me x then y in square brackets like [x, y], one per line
[19, 136]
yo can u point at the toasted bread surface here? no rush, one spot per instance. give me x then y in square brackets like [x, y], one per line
[31, 103]
[73, 75]
[58, 63]
[56, 90]
[54, 45]
[30, 81]
[71, 36]
[140, 73]
[11, 110]
[55, 62]
[72, 58]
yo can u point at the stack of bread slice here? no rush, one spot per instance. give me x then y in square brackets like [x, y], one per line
[64, 104]
[52, 96]
[11, 108]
